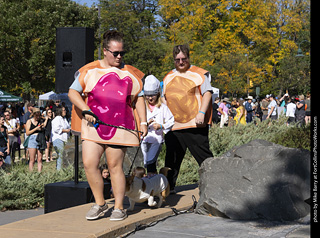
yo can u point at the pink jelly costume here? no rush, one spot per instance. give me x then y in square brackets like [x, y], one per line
[111, 94]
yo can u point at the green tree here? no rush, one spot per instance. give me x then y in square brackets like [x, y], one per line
[137, 21]
[27, 39]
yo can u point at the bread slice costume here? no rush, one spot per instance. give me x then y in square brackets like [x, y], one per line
[183, 96]
[111, 95]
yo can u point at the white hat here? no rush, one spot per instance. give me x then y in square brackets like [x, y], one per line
[226, 100]
[249, 97]
[151, 85]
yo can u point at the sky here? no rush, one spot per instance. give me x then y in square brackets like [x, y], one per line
[88, 2]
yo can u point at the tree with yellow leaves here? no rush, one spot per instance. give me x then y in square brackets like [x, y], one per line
[242, 43]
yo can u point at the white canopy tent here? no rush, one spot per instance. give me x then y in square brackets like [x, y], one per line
[63, 97]
[215, 94]
[46, 96]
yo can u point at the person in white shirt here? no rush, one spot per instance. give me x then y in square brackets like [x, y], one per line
[60, 133]
[13, 132]
[160, 120]
[291, 109]
[272, 108]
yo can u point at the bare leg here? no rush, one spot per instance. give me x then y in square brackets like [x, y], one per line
[50, 151]
[47, 152]
[32, 156]
[115, 158]
[39, 161]
[91, 154]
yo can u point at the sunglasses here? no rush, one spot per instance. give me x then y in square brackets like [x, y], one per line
[116, 53]
[183, 60]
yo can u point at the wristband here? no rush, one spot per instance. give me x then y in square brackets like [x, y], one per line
[143, 123]
[202, 112]
[161, 127]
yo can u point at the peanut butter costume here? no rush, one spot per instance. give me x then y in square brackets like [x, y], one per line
[183, 92]
[183, 95]
[110, 93]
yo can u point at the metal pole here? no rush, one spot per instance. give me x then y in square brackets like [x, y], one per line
[99, 32]
[248, 81]
[76, 159]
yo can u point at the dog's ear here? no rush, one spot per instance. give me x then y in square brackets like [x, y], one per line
[133, 173]
[129, 181]
[131, 178]
[164, 171]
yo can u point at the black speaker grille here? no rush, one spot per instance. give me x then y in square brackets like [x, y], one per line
[74, 49]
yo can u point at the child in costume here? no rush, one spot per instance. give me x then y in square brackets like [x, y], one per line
[160, 120]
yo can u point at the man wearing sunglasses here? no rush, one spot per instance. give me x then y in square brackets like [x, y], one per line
[187, 90]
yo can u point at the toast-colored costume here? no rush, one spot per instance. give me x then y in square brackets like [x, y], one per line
[110, 93]
[183, 95]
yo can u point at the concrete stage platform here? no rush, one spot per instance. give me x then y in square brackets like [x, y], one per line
[71, 222]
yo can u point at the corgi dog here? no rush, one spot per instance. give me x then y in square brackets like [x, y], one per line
[140, 189]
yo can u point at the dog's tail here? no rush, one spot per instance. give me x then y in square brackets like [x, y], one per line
[164, 171]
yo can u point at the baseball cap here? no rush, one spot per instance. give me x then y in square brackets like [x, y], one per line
[151, 85]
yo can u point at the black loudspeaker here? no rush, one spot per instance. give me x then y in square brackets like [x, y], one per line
[67, 194]
[74, 49]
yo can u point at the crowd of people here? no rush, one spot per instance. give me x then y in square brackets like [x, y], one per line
[41, 129]
[297, 109]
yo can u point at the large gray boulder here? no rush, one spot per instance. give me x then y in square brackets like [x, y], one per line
[258, 180]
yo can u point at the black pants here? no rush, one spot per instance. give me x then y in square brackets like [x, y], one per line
[177, 142]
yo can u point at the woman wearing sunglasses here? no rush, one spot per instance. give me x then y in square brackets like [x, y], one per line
[111, 92]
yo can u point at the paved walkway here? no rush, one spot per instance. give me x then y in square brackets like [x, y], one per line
[69, 223]
[17, 215]
[193, 226]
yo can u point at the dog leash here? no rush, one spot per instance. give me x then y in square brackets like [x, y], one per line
[134, 158]
[98, 122]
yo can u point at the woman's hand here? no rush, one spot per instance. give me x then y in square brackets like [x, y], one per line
[39, 127]
[90, 118]
[156, 126]
[144, 129]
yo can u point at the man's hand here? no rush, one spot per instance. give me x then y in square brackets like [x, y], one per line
[200, 118]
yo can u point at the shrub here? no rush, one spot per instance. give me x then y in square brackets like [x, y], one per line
[294, 137]
[222, 140]
[21, 189]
